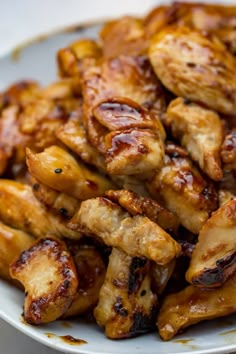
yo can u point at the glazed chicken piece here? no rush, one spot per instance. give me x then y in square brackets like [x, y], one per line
[124, 36]
[21, 210]
[12, 243]
[135, 143]
[59, 170]
[91, 272]
[200, 131]
[183, 190]
[137, 235]
[127, 307]
[197, 66]
[214, 257]
[137, 205]
[159, 18]
[193, 305]
[49, 276]
[160, 275]
[228, 151]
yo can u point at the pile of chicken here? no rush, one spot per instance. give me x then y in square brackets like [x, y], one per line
[118, 182]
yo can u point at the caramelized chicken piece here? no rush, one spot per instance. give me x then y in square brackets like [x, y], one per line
[127, 307]
[91, 272]
[214, 257]
[124, 36]
[200, 131]
[160, 275]
[183, 190]
[158, 18]
[193, 65]
[228, 152]
[12, 243]
[59, 170]
[137, 205]
[193, 305]
[20, 209]
[74, 136]
[49, 276]
[137, 235]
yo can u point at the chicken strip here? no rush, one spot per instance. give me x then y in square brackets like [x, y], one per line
[214, 257]
[20, 209]
[193, 65]
[193, 305]
[127, 307]
[137, 205]
[137, 235]
[183, 190]
[228, 151]
[200, 131]
[91, 272]
[59, 170]
[12, 243]
[48, 274]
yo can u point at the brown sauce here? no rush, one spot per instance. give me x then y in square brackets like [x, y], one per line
[67, 339]
[66, 324]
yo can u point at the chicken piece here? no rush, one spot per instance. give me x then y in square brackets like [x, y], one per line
[20, 209]
[124, 76]
[193, 305]
[127, 307]
[200, 131]
[225, 196]
[91, 272]
[12, 243]
[137, 235]
[193, 65]
[137, 205]
[228, 151]
[59, 170]
[49, 276]
[74, 136]
[59, 203]
[124, 36]
[182, 189]
[214, 257]
[160, 275]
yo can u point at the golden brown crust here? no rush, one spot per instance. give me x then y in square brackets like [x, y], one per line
[48, 274]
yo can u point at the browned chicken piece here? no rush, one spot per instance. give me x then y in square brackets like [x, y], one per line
[160, 17]
[200, 131]
[124, 36]
[74, 136]
[49, 276]
[135, 143]
[193, 65]
[137, 235]
[20, 209]
[137, 205]
[228, 151]
[91, 273]
[12, 243]
[127, 307]
[59, 170]
[124, 76]
[160, 275]
[183, 190]
[72, 60]
[59, 203]
[214, 257]
[193, 305]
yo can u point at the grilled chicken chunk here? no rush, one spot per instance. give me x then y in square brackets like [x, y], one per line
[193, 305]
[137, 205]
[59, 170]
[228, 151]
[48, 274]
[137, 235]
[91, 273]
[127, 307]
[200, 131]
[183, 190]
[20, 209]
[12, 243]
[192, 65]
[214, 257]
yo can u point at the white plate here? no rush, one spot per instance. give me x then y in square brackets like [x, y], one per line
[38, 61]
